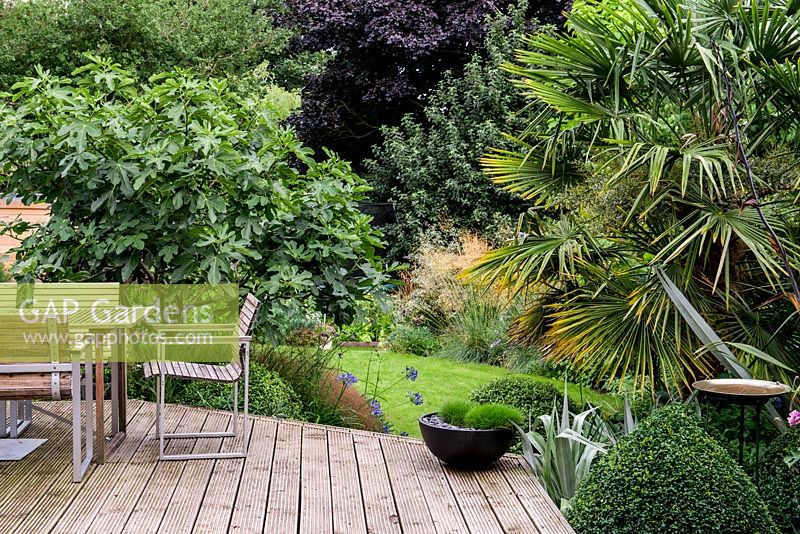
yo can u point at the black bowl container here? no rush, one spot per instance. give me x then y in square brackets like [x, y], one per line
[465, 447]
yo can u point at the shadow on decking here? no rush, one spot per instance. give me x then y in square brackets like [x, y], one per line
[299, 477]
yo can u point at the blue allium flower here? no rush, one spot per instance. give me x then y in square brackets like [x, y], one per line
[411, 373]
[403, 433]
[416, 398]
[375, 407]
[347, 379]
[386, 428]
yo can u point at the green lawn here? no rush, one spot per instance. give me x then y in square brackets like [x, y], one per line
[439, 380]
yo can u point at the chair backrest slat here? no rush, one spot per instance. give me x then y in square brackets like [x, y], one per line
[247, 317]
[10, 296]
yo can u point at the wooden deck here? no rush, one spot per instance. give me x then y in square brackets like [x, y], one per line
[299, 477]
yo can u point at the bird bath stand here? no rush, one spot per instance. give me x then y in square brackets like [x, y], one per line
[744, 392]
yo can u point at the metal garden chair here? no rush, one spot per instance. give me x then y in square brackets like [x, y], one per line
[232, 373]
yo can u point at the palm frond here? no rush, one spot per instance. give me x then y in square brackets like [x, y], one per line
[616, 327]
[783, 77]
[526, 175]
[772, 33]
[548, 257]
[708, 233]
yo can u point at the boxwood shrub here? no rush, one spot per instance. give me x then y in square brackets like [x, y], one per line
[779, 483]
[669, 476]
[529, 396]
[269, 394]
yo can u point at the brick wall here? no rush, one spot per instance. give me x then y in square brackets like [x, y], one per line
[12, 210]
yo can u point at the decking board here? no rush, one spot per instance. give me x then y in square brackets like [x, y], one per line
[315, 486]
[284, 491]
[376, 491]
[251, 499]
[122, 499]
[348, 505]
[298, 477]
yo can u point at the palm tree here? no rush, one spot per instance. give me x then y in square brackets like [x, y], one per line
[630, 161]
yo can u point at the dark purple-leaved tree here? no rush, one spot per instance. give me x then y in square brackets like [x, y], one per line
[386, 57]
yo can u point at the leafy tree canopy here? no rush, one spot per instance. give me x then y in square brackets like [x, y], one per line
[387, 56]
[213, 37]
[429, 168]
[180, 180]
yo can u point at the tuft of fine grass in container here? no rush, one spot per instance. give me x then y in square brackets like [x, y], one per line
[454, 412]
[488, 416]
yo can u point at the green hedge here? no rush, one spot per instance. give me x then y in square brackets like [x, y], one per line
[269, 394]
[418, 340]
[779, 483]
[668, 476]
[529, 396]
[213, 37]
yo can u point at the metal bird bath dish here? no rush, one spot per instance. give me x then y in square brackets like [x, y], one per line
[744, 392]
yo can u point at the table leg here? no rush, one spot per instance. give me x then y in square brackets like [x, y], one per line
[119, 396]
[114, 392]
[99, 395]
[122, 382]
[123, 396]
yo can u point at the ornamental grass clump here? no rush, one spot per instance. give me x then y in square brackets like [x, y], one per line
[668, 476]
[454, 412]
[489, 416]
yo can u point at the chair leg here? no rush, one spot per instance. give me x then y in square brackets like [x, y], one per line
[245, 427]
[235, 408]
[90, 430]
[201, 435]
[161, 416]
[76, 422]
[158, 405]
